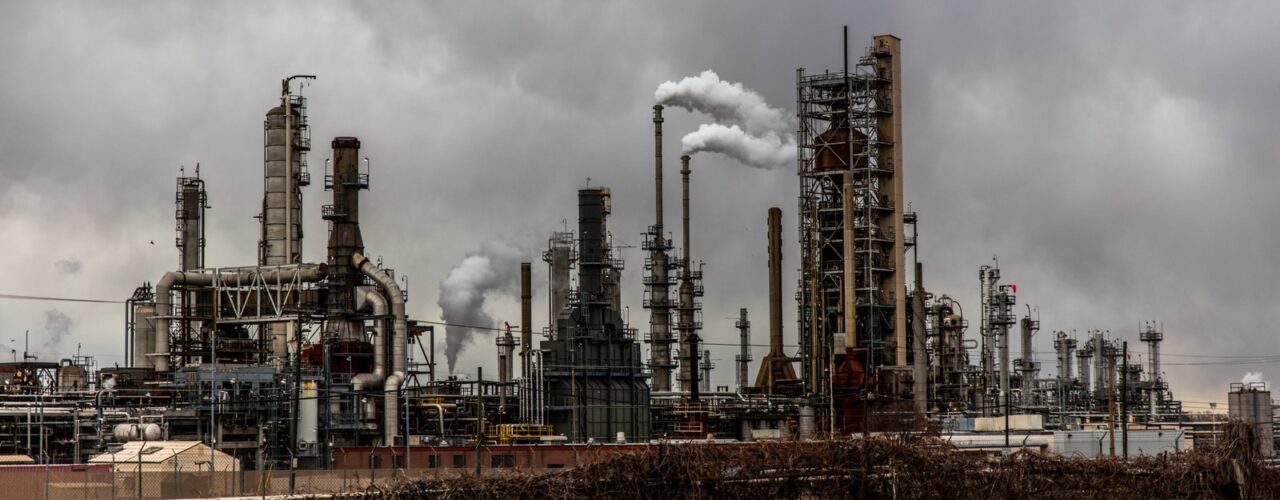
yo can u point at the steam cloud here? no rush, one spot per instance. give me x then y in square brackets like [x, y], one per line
[1253, 378]
[56, 326]
[747, 129]
[69, 265]
[724, 101]
[494, 269]
[761, 152]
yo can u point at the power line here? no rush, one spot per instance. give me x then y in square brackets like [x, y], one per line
[57, 299]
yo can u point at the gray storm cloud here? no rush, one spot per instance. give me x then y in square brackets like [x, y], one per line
[746, 127]
[494, 269]
[56, 327]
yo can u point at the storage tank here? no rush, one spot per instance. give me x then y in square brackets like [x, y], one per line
[135, 432]
[1251, 404]
[308, 411]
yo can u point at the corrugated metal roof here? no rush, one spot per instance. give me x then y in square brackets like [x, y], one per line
[151, 452]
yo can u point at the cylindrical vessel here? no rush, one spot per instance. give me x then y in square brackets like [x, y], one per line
[308, 410]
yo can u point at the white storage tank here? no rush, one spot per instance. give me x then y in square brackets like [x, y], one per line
[137, 432]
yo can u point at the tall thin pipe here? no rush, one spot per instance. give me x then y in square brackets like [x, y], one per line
[657, 167]
[526, 316]
[775, 281]
[688, 368]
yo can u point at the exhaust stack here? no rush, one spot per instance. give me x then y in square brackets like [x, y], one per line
[659, 279]
[526, 316]
[776, 366]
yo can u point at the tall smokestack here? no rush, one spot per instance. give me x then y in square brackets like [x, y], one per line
[526, 315]
[744, 348]
[658, 281]
[688, 305]
[775, 366]
[775, 281]
[657, 167]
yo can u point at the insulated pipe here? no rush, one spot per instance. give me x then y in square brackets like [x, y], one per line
[368, 298]
[399, 328]
[308, 273]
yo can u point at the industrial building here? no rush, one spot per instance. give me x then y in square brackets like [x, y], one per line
[280, 362]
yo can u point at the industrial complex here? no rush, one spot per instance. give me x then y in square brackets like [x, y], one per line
[312, 362]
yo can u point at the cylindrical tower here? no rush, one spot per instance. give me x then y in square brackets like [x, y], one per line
[282, 185]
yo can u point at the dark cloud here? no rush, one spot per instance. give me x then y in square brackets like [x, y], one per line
[1117, 157]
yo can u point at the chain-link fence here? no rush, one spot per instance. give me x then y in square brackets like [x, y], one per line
[108, 481]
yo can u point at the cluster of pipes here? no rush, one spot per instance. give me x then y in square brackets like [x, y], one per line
[350, 304]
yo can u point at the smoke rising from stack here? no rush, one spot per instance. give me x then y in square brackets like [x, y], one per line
[494, 269]
[724, 101]
[746, 128]
[768, 151]
[56, 326]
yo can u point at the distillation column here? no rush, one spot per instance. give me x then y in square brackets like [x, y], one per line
[1029, 368]
[690, 289]
[658, 282]
[1152, 336]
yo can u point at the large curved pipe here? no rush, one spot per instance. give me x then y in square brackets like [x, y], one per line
[399, 329]
[308, 273]
[370, 299]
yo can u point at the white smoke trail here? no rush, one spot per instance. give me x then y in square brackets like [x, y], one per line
[768, 151]
[494, 269]
[746, 128]
[725, 101]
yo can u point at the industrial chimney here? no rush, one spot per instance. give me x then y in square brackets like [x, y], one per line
[775, 366]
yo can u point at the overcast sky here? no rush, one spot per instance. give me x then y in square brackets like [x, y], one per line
[1120, 160]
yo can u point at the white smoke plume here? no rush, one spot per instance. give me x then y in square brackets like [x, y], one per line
[768, 151]
[746, 128]
[494, 269]
[56, 326]
[1253, 378]
[725, 101]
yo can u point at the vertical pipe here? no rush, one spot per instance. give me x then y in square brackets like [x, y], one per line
[657, 167]
[920, 363]
[775, 281]
[526, 316]
[689, 368]
[744, 348]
